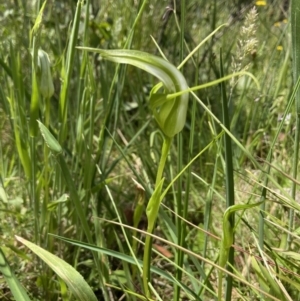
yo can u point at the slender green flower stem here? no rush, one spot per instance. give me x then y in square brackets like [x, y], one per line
[164, 155]
[152, 212]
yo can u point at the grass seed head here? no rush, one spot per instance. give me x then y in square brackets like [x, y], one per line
[247, 43]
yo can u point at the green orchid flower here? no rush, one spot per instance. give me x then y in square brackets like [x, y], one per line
[170, 114]
[44, 74]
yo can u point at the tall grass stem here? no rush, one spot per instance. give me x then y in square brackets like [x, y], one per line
[179, 206]
[295, 27]
[229, 177]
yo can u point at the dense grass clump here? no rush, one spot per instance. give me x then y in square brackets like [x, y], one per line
[149, 150]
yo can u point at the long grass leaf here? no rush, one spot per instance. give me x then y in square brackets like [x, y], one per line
[67, 73]
[14, 284]
[72, 278]
[295, 27]
[126, 258]
[229, 179]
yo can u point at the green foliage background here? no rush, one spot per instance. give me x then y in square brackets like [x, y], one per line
[111, 137]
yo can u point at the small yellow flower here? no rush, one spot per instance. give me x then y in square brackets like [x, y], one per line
[279, 24]
[261, 3]
[279, 48]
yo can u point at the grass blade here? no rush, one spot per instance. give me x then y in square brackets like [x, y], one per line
[228, 177]
[67, 73]
[72, 278]
[295, 25]
[15, 286]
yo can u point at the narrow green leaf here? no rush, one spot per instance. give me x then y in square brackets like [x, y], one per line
[139, 208]
[229, 179]
[49, 139]
[38, 22]
[53, 205]
[15, 286]
[66, 73]
[295, 28]
[261, 279]
[3, 197]
[22, 148]
[153, 206]
[72, 278]
[121, 256]
[272, 285]
[291, 255]
[35, 94]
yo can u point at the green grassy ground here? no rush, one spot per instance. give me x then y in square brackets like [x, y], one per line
[84, 184]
